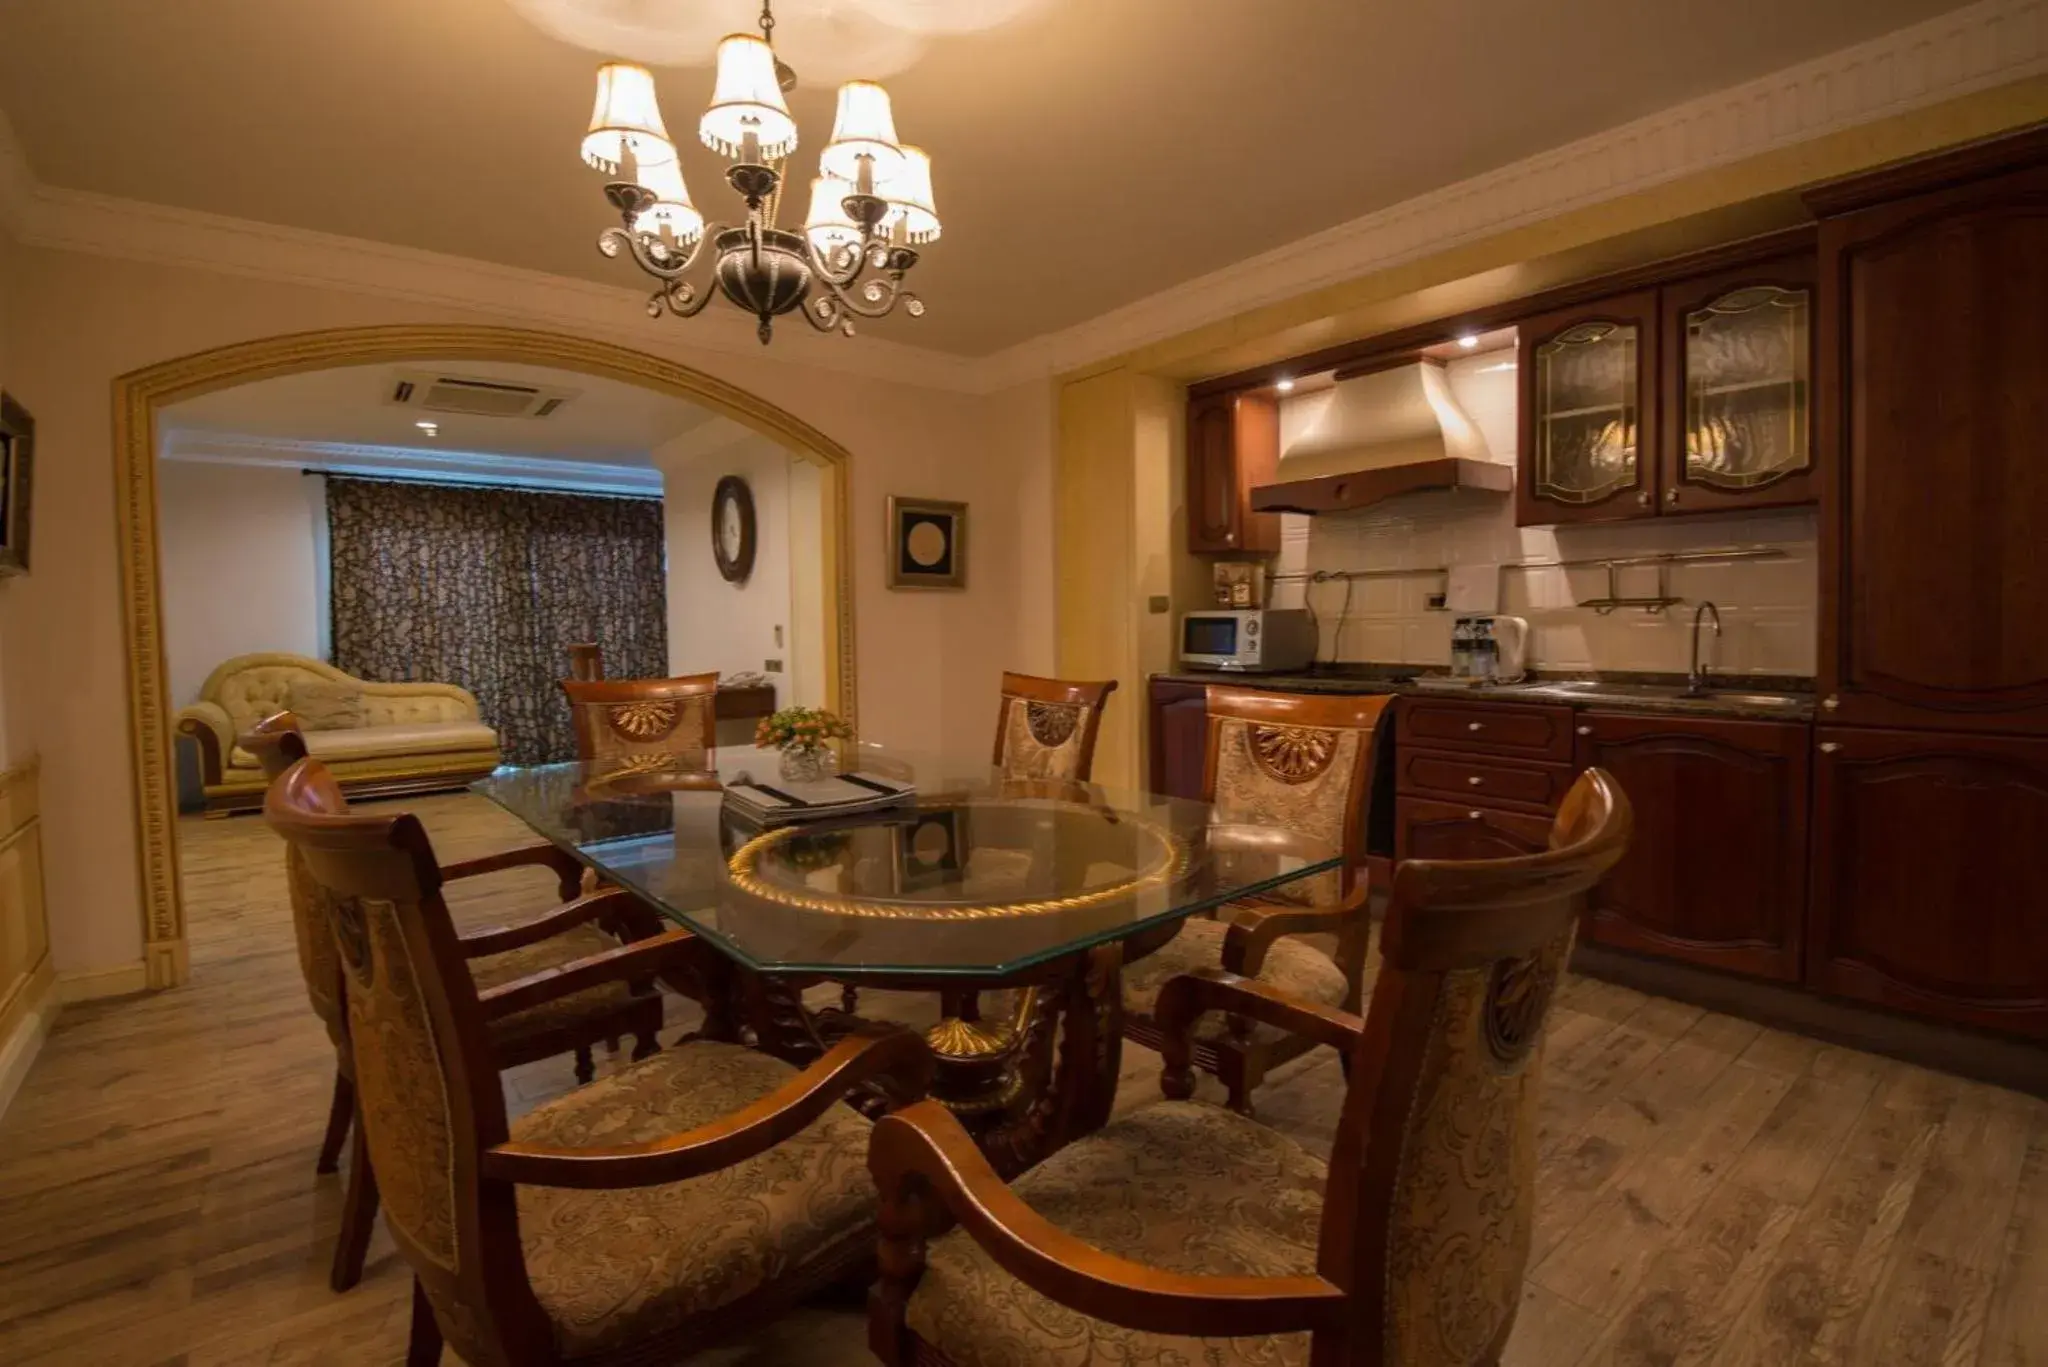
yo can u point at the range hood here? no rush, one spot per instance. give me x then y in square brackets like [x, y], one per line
[1379, 435]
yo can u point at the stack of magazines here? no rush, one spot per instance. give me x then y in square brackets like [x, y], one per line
[772, 803]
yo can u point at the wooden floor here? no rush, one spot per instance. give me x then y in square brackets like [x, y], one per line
[1711, 1192]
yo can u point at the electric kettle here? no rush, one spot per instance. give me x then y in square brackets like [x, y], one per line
[1511, 648]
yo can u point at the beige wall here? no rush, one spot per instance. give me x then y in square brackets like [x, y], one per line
[926, 661]
[241, 553]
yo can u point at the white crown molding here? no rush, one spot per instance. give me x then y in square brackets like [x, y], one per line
[1987, 44]
[455, 467]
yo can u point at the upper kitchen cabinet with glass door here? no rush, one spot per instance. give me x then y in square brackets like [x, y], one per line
[1738, 388]
[1588, 378]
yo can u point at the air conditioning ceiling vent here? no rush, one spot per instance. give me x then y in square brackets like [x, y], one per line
[477, 397]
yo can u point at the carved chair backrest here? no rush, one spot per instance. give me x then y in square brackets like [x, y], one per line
[278, 743]
[1047, 727]
[1431, 1195]
[426, 1082]
[1302, 762]
[629, 722]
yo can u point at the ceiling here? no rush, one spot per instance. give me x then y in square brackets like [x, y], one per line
[1088, 153]
[606, 422]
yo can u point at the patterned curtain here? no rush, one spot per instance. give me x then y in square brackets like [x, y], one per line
[487, 588]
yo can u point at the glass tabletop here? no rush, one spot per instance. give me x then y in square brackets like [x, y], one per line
[971, 875]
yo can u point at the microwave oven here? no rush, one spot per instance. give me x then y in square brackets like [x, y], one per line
[1255, 640]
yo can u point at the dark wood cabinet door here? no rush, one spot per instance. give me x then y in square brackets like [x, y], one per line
[1233, 445]
[1450, 830]
[1589, 412]
[1927, 882]
[1716, 871]
[1934, 489]
[1179, 737]
[1736, 407]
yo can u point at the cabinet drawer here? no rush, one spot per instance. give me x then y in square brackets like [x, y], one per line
[1453, 830]
[1501, 729]
[1484, 779]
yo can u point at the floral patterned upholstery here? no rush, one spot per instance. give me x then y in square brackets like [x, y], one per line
[613, 1267]
[640, 724]
[1292, 966]
[1179, 1185]
[579, 942]
[1043, 739]
[1295, 778]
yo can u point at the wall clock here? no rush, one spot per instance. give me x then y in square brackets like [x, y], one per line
[732, 529]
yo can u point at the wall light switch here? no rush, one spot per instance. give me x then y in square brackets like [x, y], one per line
[771, 666]
[1158, 602]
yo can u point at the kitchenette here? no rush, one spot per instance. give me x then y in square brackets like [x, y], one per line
[1760, 532]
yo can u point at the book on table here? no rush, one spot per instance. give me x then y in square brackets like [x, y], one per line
[770, 802]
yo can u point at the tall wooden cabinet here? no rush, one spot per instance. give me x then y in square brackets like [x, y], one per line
[1716, 872]
[1934, 504]
[1233, 444]
[1927, 892]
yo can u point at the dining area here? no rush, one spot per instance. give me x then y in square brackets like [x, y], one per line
[913, 984]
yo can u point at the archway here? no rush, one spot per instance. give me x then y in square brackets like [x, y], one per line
[139, 395]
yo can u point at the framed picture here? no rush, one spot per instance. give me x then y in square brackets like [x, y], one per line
[17, 483]
[927, 544]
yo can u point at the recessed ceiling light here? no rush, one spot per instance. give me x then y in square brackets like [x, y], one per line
[1284, 386]
[1469, 340]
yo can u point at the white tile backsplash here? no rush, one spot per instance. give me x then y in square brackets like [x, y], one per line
[1768, 607]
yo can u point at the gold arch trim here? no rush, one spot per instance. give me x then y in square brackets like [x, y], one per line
[139, 395]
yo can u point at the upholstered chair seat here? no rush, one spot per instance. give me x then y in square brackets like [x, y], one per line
[1292, 967]
[615, 1267]
[1182, 1186]
[567, 1016]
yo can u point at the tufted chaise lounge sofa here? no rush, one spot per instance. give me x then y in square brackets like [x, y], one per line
[413, 737]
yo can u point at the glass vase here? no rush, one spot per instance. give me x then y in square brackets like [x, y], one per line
[808, 763]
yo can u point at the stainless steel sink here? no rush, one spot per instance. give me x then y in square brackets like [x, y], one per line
[1662, 692]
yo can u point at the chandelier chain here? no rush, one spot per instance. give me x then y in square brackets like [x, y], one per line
[767, 23]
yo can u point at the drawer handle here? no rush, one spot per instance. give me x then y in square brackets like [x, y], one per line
[1585, 730]
[1475, 780]
[1828, 747]
[1831, 702]
[1475, 726]
[1476, 815]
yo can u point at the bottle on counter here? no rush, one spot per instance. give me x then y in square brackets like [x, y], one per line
[1461, 648]
[1485, 651]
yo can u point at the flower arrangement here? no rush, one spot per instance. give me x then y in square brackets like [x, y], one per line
[803, 735]
[800, 728]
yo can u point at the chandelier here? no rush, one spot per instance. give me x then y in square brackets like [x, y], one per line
[870, 207]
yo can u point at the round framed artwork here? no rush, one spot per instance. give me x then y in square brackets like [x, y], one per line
[732, 529]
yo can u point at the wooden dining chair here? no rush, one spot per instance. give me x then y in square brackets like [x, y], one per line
[634, 1220]
[1301, 762]
[497, 956]
[586, 660]
[1046, 728]
[1186, 1233]
[644, 722]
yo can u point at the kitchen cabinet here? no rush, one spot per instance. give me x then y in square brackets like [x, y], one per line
[1927, 893]
[1589, 408]
[1736, 410]
[1934, 494]
[1180, 738]
[1716, 871]
[1477, 780]
[1425, 829]
[1233, 443]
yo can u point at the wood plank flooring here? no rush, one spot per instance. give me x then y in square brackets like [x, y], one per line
[1711, 1192]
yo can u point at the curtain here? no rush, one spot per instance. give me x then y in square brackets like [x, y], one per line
[487, 588]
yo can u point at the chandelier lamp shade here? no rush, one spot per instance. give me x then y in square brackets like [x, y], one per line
[870, 210]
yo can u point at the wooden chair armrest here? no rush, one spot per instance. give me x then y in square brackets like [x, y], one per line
[642, 959]
[605, 902]
[898, 1057]
[923, 1148]
[1253, 929]
[567, 868]
[1187, 996]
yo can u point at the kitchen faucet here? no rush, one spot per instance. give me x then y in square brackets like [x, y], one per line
[1696, 681]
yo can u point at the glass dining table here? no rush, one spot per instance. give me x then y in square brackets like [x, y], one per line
[970, 884]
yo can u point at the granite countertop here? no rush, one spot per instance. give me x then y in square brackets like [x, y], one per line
[1750, 697]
